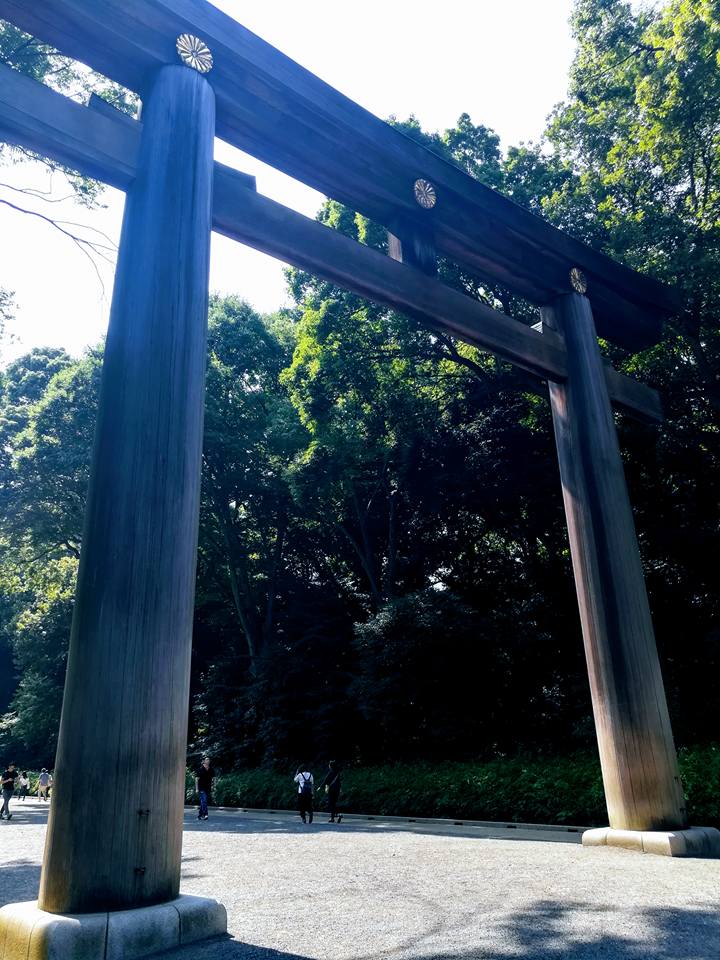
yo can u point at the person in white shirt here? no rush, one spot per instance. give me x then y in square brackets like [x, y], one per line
[44, 784]
[304, 780]
[23, 783]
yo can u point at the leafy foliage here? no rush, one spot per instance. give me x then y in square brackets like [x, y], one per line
[562, 790]
[35, 59]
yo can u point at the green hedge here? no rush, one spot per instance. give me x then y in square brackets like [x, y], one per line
[700, 771]
[532, 790]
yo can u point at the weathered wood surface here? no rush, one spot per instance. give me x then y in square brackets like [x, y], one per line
[635, 398]
[98, 141]
[295, 239]
[632, 397]
[409, 244]
[115, 831]
[276, 110]
[637, 754]
[39, 119]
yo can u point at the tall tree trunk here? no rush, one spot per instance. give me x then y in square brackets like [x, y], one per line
[242, 600]
[267, 627]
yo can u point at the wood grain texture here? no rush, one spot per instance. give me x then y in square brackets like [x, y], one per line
[276, 110]
[97, 141]
[414, 246]
[37, 118]
[636, 399]
[305, 243]
[114, 837]
[632, 397]
[268, 226]
[637, 754]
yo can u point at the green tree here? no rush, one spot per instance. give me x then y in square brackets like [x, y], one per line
[251, 435]
[640, 137]
[641, 131]
[47, 412]
[48, 418]
[40, 61]
[39, 601]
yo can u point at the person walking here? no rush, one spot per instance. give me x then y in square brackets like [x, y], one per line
[8, 788]
[203, 784]
[304, 779]
[24, 784]
[332, 789]
[44, 781]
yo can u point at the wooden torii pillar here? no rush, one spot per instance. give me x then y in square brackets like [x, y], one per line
[114, 835]
[128, 673]
[639, 764]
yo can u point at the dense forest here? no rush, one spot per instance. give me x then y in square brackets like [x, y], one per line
[383, 567]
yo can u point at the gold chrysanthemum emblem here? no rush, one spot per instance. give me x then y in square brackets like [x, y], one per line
[194, 53]
[425, 194]
[578, 280]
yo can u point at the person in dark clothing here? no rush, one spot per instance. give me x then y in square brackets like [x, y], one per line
[304, 780]
[203, 784]
[8, 788]
[332, 788]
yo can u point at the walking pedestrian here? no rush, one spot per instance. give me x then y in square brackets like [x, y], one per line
[332, 789]
[24, 784]
[203, 783]
[8, 788]
[44, 781]
[304, 779]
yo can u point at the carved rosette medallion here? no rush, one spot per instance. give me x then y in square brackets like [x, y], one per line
[194, 53]
[425, 194]
[578, 280]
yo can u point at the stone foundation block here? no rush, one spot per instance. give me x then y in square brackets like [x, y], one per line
[693, 842]
[200, 918]
[28, 933]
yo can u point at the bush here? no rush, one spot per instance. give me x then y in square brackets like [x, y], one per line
[700, 772]
[563, 790]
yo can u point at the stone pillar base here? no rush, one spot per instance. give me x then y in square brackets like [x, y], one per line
[32, 934]
[693, 842]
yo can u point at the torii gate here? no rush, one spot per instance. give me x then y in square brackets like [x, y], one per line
[115, 830]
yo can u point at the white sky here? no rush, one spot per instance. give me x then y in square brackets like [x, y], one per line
[503, 63]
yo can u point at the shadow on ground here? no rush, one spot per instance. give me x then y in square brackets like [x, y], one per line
[20, 880]
[545, 931]
[31, 812]
[670, 933]
[229, 822]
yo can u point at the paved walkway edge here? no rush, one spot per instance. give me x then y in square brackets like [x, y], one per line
[493, 824]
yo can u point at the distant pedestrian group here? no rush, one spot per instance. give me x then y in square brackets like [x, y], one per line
[12, 779]
[303, 779]
[306, 789]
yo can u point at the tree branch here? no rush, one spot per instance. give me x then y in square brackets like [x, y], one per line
[85, 246]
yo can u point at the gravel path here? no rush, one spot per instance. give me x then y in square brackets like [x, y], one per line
[361, 891]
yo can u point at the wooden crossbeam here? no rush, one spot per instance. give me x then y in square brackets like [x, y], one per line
[276, 110]
[105, 146]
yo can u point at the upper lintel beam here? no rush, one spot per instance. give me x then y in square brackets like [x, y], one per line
[273, 108]
[102, 145]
